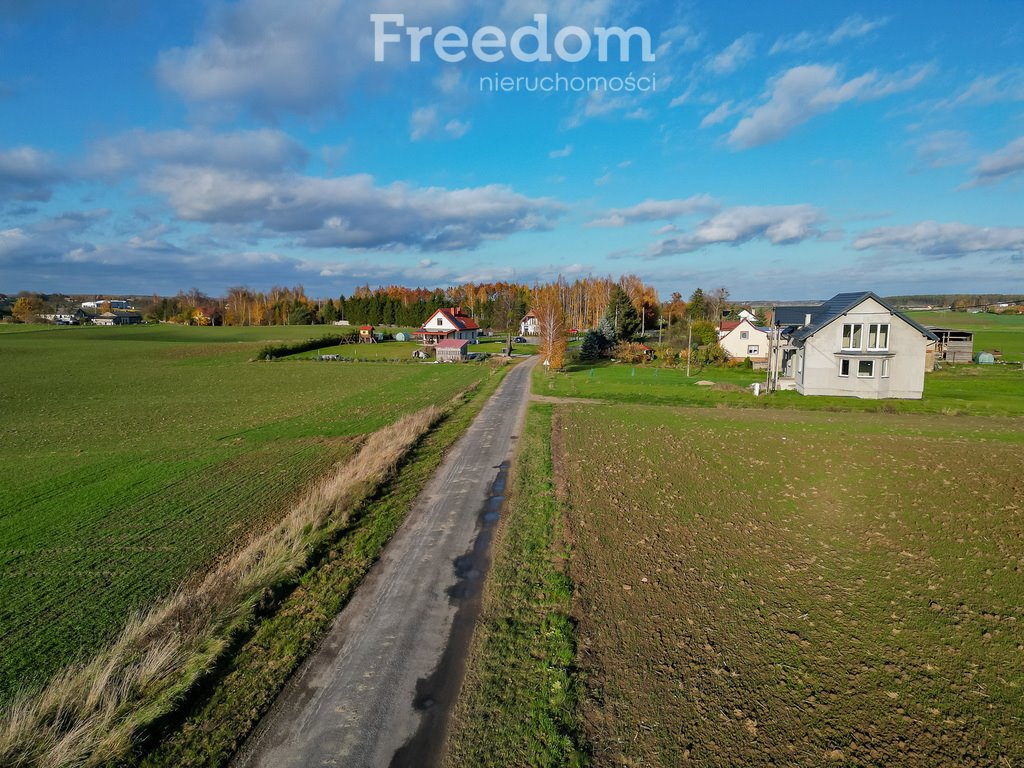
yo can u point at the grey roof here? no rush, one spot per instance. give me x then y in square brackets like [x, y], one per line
[795, 315]
[842, 303]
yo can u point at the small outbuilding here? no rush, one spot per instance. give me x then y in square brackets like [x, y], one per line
[451, 350]
[402, 336]
[366, 335]
[955, 345]
[985, 358]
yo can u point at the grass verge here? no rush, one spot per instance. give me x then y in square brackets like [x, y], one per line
[518, 704]
[244, 688]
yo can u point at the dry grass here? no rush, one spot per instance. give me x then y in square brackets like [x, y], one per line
[89, 713]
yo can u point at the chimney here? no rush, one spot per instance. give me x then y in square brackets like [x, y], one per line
[807, 319]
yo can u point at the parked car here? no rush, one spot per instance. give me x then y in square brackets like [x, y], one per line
[519, 340]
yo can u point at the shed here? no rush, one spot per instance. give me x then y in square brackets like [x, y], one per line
[954, 345]
[366, 335]
[985, 358]
[402, 336]
[451, 350]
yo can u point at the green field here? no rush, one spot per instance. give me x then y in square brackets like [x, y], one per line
[796, 588]
[966, 389]
[133, 457]
[1002, 333]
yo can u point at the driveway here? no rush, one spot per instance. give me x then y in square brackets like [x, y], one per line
[378, 689]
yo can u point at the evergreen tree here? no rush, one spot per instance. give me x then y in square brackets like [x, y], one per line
[697, 307]
[590, 347]
[606, 334]
[623, 315]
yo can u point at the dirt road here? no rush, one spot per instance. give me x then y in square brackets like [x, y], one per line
[378, 689]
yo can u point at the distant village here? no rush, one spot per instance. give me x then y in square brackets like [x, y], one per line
[854, 344]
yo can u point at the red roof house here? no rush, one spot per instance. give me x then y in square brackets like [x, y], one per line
[449, 323]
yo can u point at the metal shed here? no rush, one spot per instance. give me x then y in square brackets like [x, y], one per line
[402, 336]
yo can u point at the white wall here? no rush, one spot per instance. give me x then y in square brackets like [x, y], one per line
[818, 361]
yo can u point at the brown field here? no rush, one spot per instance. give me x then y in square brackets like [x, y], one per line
[796, 588]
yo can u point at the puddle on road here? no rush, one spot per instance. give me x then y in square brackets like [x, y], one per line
[436, 694]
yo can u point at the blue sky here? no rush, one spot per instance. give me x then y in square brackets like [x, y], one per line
[789, 150]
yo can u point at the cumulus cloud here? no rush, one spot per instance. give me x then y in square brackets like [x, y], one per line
[263, 150]
[270, 57]
[736, 54]
[656, 210]
[804, 92]
[850, 28]
[352, 211]
[1001, 164]
[944, 241]
[28, 174]
[778, 224]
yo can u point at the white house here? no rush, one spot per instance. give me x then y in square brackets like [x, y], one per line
[530, 324]
[853, 345]
[450, 323]
[743, 339]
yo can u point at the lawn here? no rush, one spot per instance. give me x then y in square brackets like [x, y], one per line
[395, 351]
[761, 587]
[968, 389]
[134, 457]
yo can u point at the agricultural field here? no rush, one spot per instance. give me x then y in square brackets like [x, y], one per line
[134, 457]
[1002, 333]
[788, 587]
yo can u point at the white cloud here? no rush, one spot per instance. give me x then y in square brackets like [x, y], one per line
[1002, 87]
[457, 128]
[422, 123]
[950, 240]
[269, 57]
[850, 28]
[656, 210]
[940, 149]
[1001, 164]
[563, 152]
[778, 224]
[352, 211]
[736, 54]
[27, 173]
[803, 92]
[257, 150]
[855, 26]
[720, 114]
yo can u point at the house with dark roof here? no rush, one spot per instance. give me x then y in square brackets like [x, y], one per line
[449, 323]
[853, 345]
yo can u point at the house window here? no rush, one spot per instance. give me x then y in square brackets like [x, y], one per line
[744, 334]
[852, 336]
[752, 349]
[885, 368]
[878, 336]
[440, 321]
[844, 367]
[865, 369]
